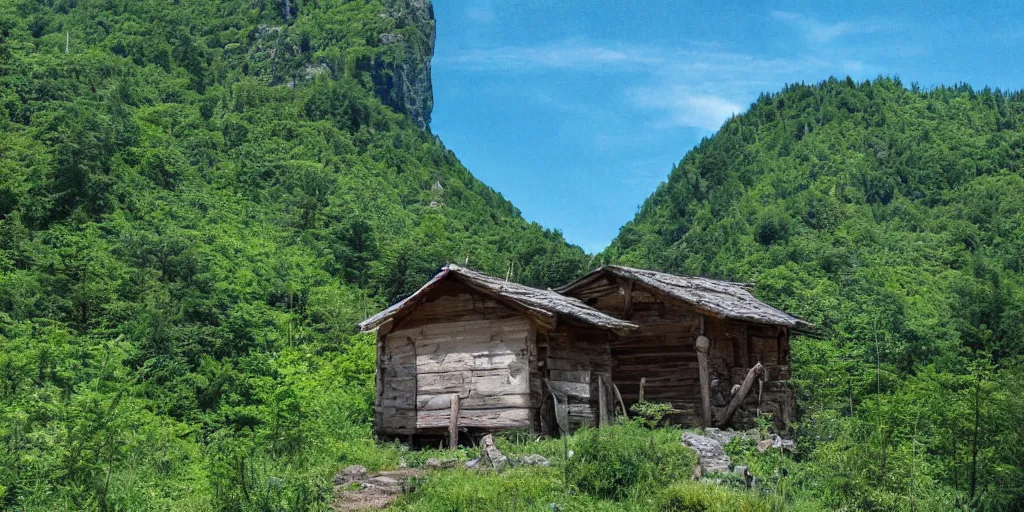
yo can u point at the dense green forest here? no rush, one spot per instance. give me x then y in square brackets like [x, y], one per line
[893, 218]
[198, 201]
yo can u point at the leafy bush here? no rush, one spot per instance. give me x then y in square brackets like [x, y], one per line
[463, 490]
[705, 497]
[625, 459]
[652, 413]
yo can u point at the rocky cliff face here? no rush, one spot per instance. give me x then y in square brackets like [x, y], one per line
[392, 48]
[401, 76]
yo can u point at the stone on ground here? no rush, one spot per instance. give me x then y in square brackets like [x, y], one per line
[534, 460]
[711, 457]
[497, 460]
[372, 492]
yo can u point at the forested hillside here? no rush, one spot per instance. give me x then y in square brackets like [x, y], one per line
[198, 201]
[893, 218]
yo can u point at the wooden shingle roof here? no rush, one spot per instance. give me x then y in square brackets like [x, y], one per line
[723, 299]
[543, 304]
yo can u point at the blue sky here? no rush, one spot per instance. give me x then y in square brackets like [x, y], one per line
[575, 111]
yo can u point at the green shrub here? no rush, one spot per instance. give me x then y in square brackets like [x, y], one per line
[705, 497]
[626, 460]
[652, 413]
[464, 490]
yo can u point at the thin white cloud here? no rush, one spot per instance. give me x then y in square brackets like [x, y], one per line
[573, 54]
[699, 86]
[687, 108]
[819, 31]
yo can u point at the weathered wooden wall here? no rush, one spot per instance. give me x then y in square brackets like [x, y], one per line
[571, 361]
[456, 342]
[663, 352]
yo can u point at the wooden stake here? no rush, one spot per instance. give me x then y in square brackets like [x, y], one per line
[453, 423]
[703, 344]
[737, 399]
[602, 403]
[618, 396]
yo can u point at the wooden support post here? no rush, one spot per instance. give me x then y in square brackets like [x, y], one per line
[453, 423]
[737, 399]
[602, 403]
[703, 345]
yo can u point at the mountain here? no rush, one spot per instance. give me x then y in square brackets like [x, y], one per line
[198, 201]
[893, 219]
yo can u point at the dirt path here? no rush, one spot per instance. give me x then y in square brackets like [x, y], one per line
[356, 489]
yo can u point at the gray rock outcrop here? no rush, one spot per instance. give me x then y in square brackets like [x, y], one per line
[402, 78]
[711, 457]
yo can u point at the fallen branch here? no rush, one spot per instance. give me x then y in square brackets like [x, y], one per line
[741, 395]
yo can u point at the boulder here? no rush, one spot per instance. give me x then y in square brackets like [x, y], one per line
[534, 460]
[435, 463]
[350, 474]
[774, 441]
[711, 457]
[383, 482]
[491, 453]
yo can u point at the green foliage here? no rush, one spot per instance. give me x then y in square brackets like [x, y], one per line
[198, 201]
[891, 218]
[708, 497]
[626, 459]
[652, 413]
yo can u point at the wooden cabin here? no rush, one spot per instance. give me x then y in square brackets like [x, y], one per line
[472, 353]
[708, 347]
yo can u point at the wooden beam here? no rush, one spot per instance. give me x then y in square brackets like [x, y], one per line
[627, 291]
[703, 345]
[453, 423]
[544, 318]
[741, 395]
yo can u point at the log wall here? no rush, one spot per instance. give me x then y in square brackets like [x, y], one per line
[663, 352]
[456, 342]
[571, 361]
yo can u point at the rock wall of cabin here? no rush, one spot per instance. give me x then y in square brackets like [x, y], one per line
[455, 343]
[663, 353]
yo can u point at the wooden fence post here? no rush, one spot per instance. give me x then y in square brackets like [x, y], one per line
[453, 423]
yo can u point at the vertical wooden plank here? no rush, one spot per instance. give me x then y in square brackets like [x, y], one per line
[703, 344]
[453, 423]
[627, 290]
[751, 358]
[534, 383]
[378, 378]
[602, 402]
